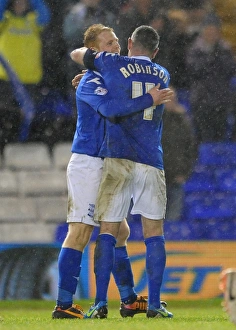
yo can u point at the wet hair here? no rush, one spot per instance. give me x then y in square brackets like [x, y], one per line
[146, 37]
[92, 33]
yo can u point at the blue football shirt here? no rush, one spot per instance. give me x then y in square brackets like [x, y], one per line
[136, 137]
[94, 103]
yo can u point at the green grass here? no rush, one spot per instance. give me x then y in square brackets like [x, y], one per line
[188, 315]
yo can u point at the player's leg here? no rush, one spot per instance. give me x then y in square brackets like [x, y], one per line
[228, 286]
[111, 208]
[69, 267]
[155, 265]
[104, 256]
[122, 271]
[131, 303]
[83, 177]
[149, 197]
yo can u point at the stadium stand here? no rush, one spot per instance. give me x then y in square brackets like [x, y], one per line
[26, 233]
[210, 202]
[210, 191]
[17, 210]
[38, 183]
[61, 155]
[8, 183]
[52, 209]
[27, 156]
[33, 192]
[33, 195]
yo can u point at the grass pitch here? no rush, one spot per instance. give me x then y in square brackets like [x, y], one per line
[188, 315]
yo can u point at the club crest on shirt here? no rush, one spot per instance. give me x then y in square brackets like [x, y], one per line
[100, 91]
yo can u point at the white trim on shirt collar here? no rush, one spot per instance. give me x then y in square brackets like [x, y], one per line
[141, 57]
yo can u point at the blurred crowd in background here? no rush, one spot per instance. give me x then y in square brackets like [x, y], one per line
[197, 46]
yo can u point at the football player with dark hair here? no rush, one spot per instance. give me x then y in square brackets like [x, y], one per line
[133, 164]
[84, 174]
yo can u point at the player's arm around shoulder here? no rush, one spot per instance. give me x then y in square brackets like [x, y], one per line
[77, 55]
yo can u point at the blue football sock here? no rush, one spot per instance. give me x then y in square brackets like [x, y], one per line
[103, 264]
[155, 265]
[123, 275]
[69, 262]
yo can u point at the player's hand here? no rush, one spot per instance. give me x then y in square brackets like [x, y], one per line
[228, 286]
[75, 81]
[160, 96]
